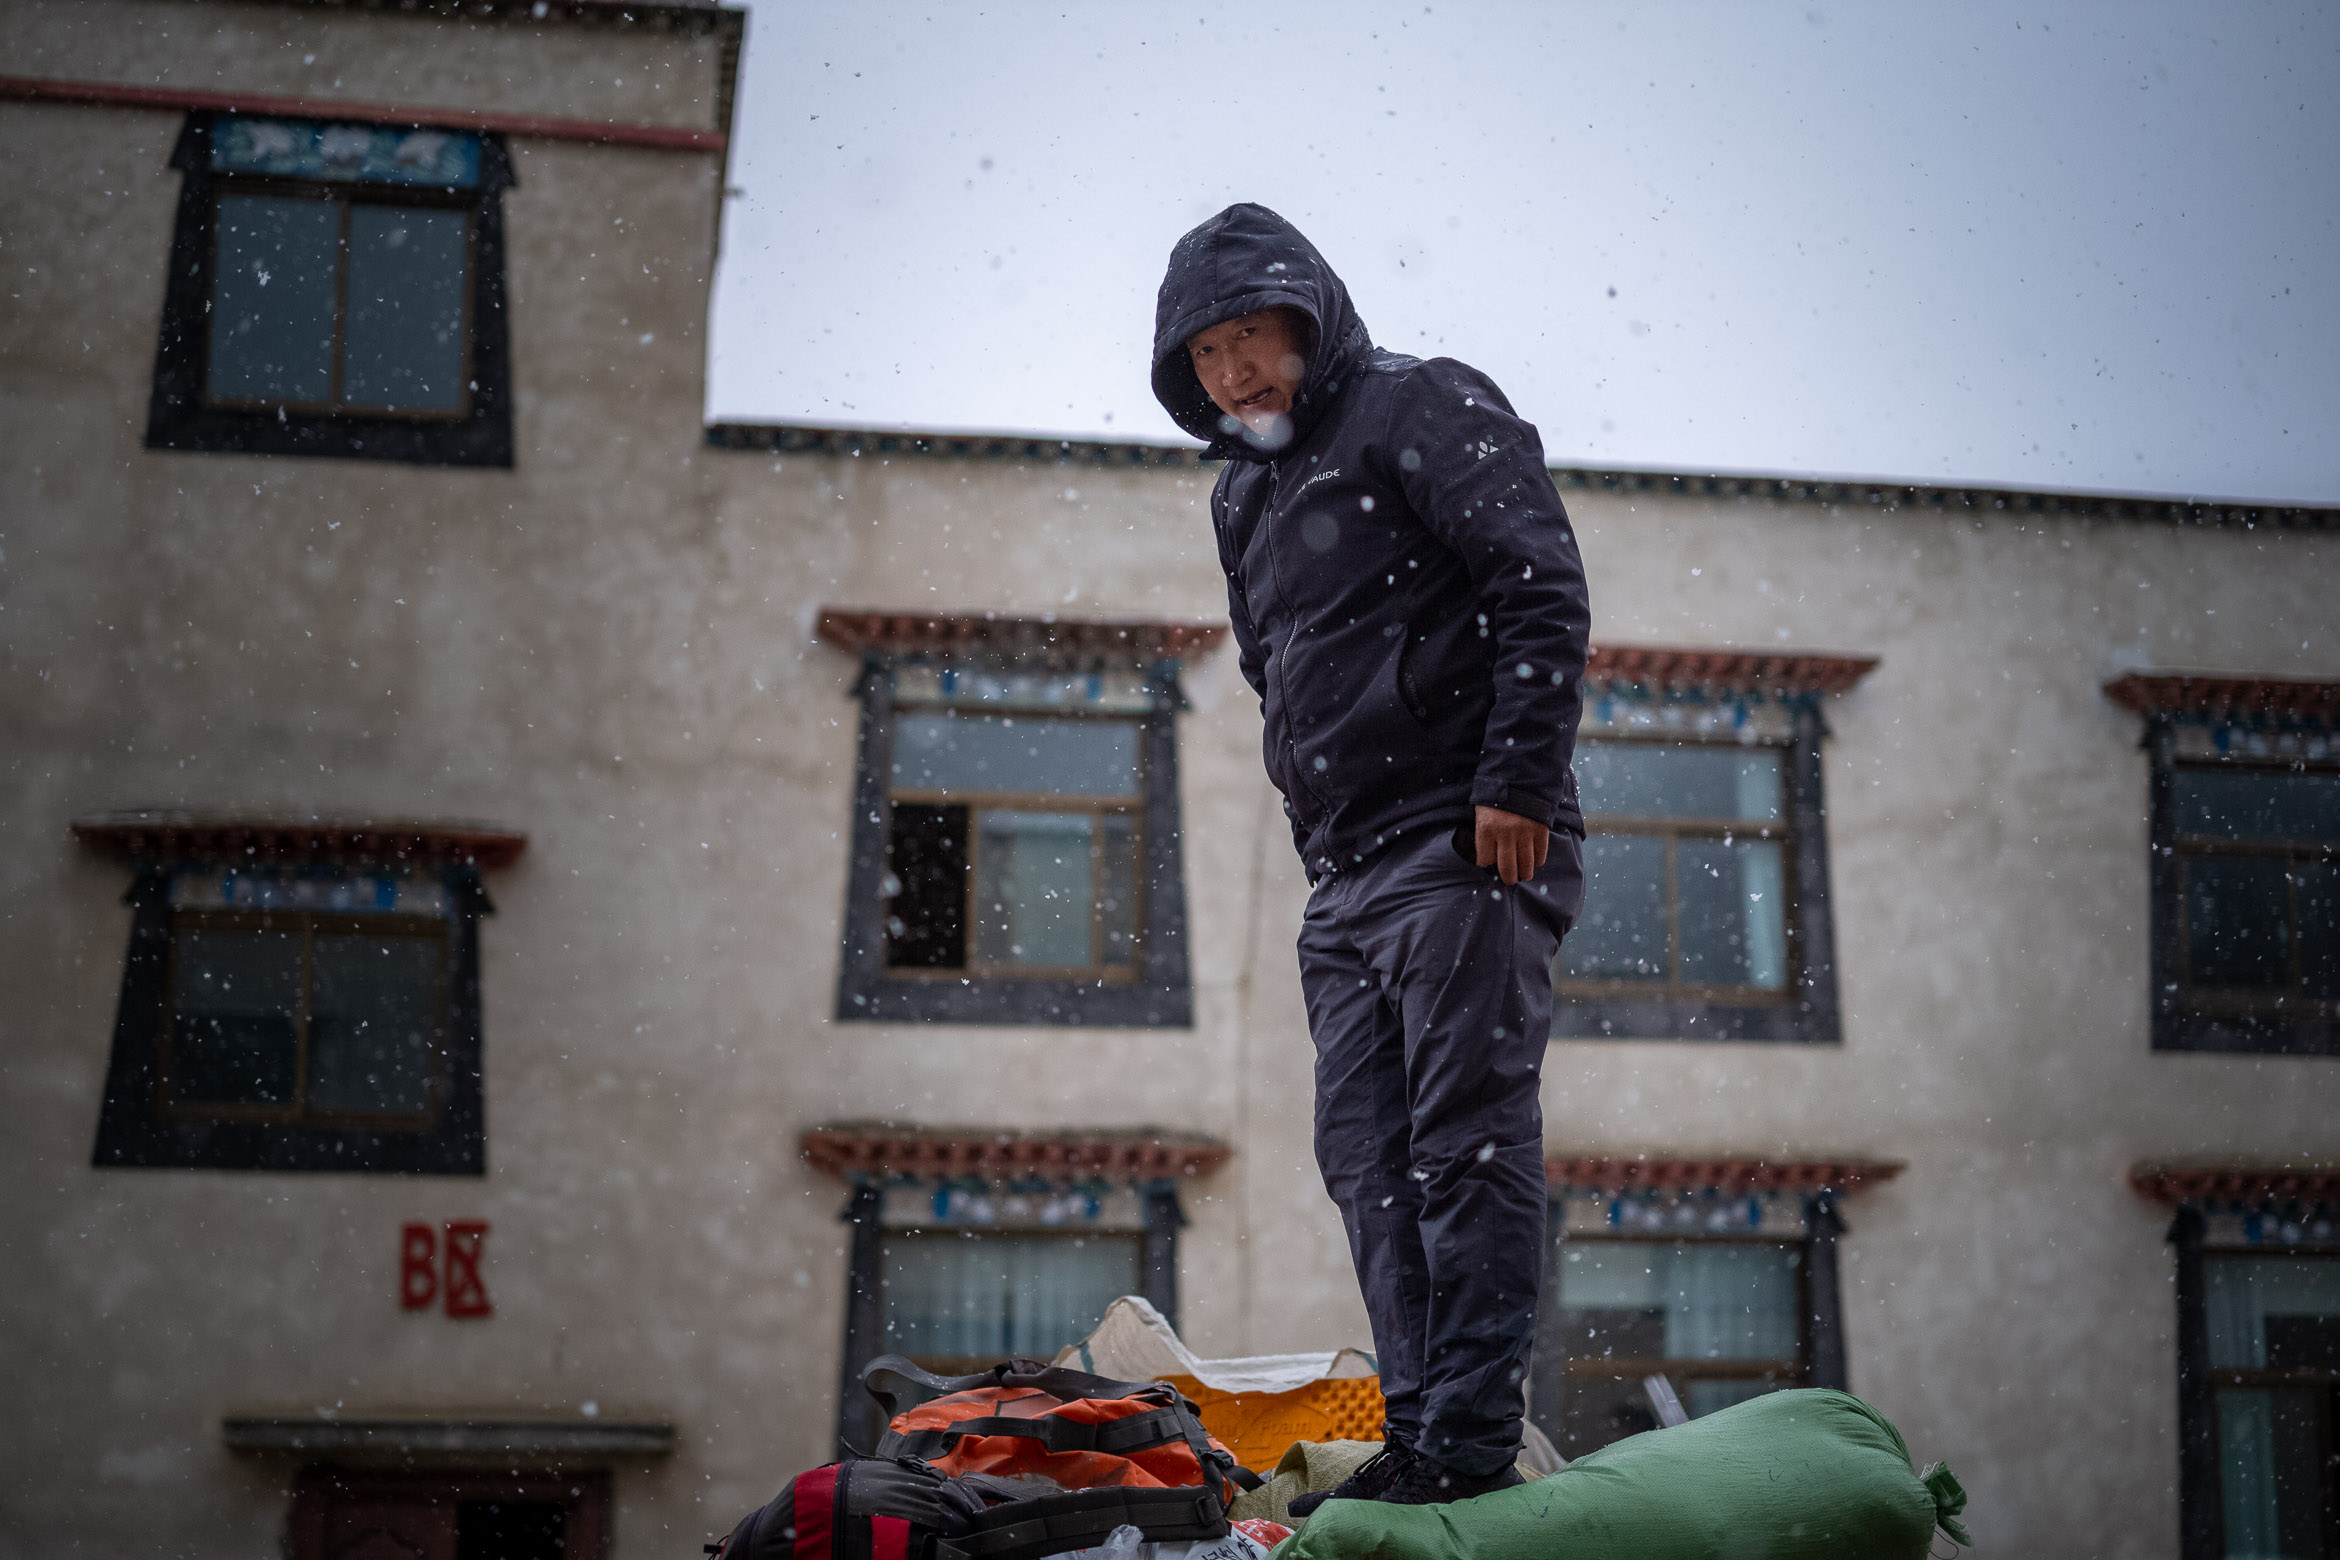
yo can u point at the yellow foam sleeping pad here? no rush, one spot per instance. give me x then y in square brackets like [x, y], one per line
[1259, 1426]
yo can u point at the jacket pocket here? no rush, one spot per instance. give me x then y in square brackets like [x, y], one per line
[1408, 694]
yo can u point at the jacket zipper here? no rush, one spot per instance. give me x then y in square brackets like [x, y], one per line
[1291, 617]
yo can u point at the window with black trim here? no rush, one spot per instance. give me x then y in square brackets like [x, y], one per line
[1706, 877]
[336, 289]
[1706, 1298]
[961, 1273]
[2258, 1329]
[323, 1017]
[2246, 886]
[1016, 847]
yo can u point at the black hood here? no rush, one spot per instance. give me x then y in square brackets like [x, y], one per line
[1241, 261]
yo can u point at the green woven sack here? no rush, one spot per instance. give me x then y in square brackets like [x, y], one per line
[1803, 1475]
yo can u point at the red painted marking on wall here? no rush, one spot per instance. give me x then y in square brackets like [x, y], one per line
[465, 1290]
[418, 1266]
[434, 1268]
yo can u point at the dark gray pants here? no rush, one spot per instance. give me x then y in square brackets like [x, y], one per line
[1429, 989]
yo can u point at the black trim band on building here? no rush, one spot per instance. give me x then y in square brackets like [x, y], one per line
[1754, 487]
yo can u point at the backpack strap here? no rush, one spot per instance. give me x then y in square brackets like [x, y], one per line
[1120, 1437]
[1081, 1519]
[900, 1384]
[911, 1491]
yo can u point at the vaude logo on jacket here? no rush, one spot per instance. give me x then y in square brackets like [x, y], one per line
[1322, 476]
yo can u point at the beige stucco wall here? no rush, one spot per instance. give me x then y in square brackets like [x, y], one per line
[609, 646]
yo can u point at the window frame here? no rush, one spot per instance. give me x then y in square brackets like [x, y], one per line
[299, 1112]
[1806, 1011]
[139, 1126]
[1154, 993]
[1673, 829]
[181, 414]
[1819, 1304]
[2186, 1018]
[2201, 1475]
[344, 197]
[858, 1424]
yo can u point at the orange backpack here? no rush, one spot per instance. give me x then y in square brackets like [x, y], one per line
[1023, 1419]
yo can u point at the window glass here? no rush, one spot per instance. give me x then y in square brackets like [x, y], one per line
[2319, 929]
[2254, 906]
[274, 273]
[1680, 780]
[1033, 889]
[236, 1002]
[926, 887]
[1687, 1301]
[981, 1297]
[1622, 933]
[1720, 1320]
[1117, 908]
[2257, 804]
[323, 298]
[309, 1015]
[2238, 929]
[2271, 1484]
[1685, 869]
[1734, 931]
[955, 753]
[2274, 1325]
[2273, 1313]
[373, 1025]
[404, 342]
[987, 881]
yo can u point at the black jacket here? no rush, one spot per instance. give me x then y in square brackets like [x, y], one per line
[1406, 591]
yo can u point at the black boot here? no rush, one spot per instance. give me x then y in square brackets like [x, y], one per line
[1425, 1483]
[1373, 1475]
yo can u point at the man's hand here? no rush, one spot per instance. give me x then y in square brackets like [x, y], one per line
[1512, 845]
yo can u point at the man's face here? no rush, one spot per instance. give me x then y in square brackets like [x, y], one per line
[1251, 367]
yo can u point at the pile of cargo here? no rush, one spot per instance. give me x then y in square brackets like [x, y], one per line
[1129, 1447]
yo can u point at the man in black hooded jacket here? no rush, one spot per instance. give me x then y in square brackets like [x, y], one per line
[1409, 605]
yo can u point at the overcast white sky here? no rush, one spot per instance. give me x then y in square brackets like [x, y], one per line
[2061, 245]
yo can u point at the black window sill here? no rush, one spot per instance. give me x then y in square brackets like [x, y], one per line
[2249, 1033]
[1577, 1018]
[129, 1142]
[482, 441]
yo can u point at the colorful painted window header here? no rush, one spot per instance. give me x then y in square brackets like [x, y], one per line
[397, 893]
[368, 154]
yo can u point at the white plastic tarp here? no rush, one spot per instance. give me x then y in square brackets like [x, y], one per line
[1133, 1342]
